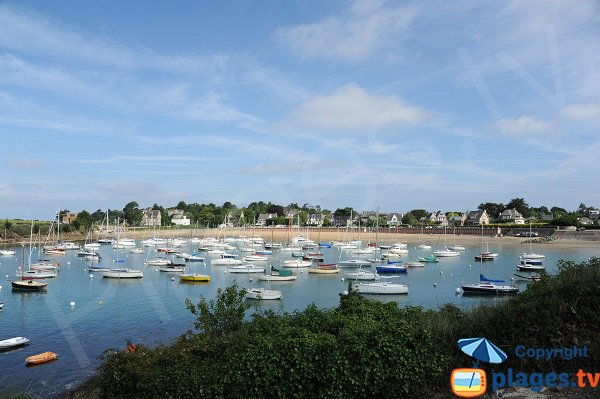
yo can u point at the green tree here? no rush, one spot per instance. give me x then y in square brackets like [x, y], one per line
[409, 219]
[558, 212]
[222, 315]
[7, 225]
[132, 213]
[419, 214]
[520, 205]
[83, 220]
[181, 205]
[493, 209]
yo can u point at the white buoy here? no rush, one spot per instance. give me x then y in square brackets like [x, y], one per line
[91, 275]
[441, 272]
[250, 278]
[435, 284]
[469, 266]
[6, 276]
[100, 302]
[0, 287]
[172, 278]
[457, 290]
[342, 278]
[450, 274]
[68, 263]
[345, 292]
[512, 279]
[72, 304]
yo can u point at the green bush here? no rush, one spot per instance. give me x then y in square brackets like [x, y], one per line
[362, 348]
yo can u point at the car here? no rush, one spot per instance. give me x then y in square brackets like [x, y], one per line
[581, 228]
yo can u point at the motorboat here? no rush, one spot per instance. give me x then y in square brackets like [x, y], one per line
[7, 252]
[489, 287]
[262, 294]
[194, 277]
[381, 288]
[527, 267]
[428, 259]
[484, 256]
[414, 263]
[295, 264]
[122, 273]
[354, 263]
[360, 275]
[245, 269]
[13, 343]
[278, 275]
[41, 358]
[173, 268]
[446, 253]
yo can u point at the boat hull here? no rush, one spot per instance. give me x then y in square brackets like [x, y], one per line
[29, 285]
[381, 288]
[263, 294]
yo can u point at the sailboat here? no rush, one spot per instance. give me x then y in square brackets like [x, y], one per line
[488, 286]
[381, 288]
[278, 275]
[28, 285]
[445, 253]
[4, 251]
[531, 255]
[423, 245]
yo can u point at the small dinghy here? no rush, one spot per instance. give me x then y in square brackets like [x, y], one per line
[13, 343]
[41, 358]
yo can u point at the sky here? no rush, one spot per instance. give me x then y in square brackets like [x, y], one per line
[387, 105]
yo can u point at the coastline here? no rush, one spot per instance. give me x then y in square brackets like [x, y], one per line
[575, 241]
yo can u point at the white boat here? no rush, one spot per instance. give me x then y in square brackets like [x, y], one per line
[13, 342]
[172, 268]
[324, 269]
[295, 263]
[122, 273]
[245, 269]
[194, 258]
[361, 275]
[363, 251]
[256, 258]
[274, 277]
[488, 286]
[35, 274]
[124, 243]
[412, 263]
[446, 253]
[92, 246]
[354, 263]
[291, 249]
[528, 267]
[159, 262]
[532, 256]
[43, 265]
[262, 294]
[424, 246]
[399, 250]
[1, 305]
[457, 248]
[7, 252]
[225, 262]
[381, 288]
[137, 250]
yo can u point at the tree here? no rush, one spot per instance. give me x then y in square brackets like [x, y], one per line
[278, 209]
[493, 209]
[181, 206]
[419, 214]
[7, 225]
[409, 219]
[132, 214]
[520, 205]
[222, 315]
[83, 220]
[344, 212]
[558, 212]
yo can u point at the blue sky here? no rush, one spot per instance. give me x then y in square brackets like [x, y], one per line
[395, 105]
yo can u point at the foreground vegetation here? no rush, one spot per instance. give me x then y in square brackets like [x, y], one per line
[362, 348]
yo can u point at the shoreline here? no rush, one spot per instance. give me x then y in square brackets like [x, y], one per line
[283, 235]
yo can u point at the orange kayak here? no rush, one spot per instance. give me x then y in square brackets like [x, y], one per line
[41, 358]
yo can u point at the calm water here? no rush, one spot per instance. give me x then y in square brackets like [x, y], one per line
[150, 310]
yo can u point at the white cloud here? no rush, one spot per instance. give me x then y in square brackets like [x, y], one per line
[357, 34]
[582, 111]
[522, 126]
[351, 108]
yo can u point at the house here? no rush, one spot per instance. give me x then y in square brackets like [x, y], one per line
[263, 217]
[315, 219]
[394, 219]
[585, 221]
[475, 218]
[67, 218]
[366, 216]
[512, 216]
[151, 217]
[547, 217]
[594, 214]
[178, 217]
[341, 221]
[439, 218]
[457, 220]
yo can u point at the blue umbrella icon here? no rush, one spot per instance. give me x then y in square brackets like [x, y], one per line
[482, 349]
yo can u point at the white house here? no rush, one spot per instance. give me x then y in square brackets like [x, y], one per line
[439, 218]
[178, 217]
[512, 215]
[394, 219]
[263, 217]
